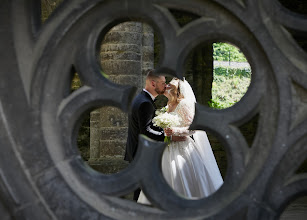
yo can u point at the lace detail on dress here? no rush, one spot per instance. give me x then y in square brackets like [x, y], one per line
[185, 111]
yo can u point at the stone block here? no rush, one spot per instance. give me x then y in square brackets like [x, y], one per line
[128, 26]
[148, 40]
[113, 133]
[118, 67]
[109, 165]
[113, 117]
[148, 54]
[94, 124]
[107, 47]
[120, 55]
[123, 38]
[147, 28]
[132, 80]
[112, 148]
[146, 66]
[94, 149]
[95, 116]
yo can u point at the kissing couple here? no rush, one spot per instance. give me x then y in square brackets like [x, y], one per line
[188, 163]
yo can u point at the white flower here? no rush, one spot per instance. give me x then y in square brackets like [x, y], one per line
[162, 110]
[166, 120]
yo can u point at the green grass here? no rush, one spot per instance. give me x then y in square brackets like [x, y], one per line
[229, 86]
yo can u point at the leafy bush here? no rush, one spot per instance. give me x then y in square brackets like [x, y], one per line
[229, 86]
[217, 104]
[222, 71]
[227, 52]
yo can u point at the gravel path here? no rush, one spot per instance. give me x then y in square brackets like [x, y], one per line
[240, 65]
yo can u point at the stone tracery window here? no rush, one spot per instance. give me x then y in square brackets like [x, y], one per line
[60, 184]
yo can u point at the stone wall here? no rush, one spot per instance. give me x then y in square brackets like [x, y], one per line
[126, 52]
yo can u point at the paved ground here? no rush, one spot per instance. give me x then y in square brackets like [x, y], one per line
[231, 64]
[296, 211]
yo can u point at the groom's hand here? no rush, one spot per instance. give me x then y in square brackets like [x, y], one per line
[179, 138]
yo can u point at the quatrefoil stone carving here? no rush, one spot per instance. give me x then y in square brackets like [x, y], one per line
[42, 175]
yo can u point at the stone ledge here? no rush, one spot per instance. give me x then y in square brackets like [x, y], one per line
[108, 165]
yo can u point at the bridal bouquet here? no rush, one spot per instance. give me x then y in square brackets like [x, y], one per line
[164, 119]
[162, 110]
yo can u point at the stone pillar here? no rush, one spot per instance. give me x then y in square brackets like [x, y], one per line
[126, 52]
[203, 73]
[147, 50]
[94, 135]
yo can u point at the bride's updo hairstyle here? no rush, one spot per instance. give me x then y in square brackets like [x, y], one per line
[175, 95]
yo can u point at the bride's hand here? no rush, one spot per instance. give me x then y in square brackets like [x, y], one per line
[168, 131]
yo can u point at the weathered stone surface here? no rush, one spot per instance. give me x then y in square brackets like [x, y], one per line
[114, 133]
[42, 175]
[122, 58]
[109, 165]
[146, 66]
[133, 48]
[123, 67]
[95, 124]
[112, 56]
[4, 211]
[62, 200]
[112, 147]
[131, 80]
[148, 40]
[128, 27]
[123, 38]
[95, 148]
[147, 29]
[299, 104]
[147, 50]
[296, 210]
[148, 54]
[219, 153]
[112, 117]
[94, 134]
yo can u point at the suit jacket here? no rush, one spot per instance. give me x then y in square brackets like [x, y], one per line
[140, 122]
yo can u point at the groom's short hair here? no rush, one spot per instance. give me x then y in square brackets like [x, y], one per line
[152, 75]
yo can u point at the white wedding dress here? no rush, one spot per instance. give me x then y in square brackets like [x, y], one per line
[189, 166]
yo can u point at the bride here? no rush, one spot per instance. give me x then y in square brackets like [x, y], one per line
[189, 166]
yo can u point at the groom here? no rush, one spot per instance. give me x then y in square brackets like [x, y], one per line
[141, 114]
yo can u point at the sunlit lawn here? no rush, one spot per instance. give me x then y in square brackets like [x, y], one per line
[229, 86]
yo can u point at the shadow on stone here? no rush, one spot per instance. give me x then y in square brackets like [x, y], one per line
[249, 130]
[296, 210]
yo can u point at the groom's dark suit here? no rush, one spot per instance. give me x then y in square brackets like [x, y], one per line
[140, 122]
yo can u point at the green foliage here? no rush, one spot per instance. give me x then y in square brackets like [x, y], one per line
[47, 7]
[104, 74]
[239, 72]
[226, 52]
[229, 86]
[218, 104]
